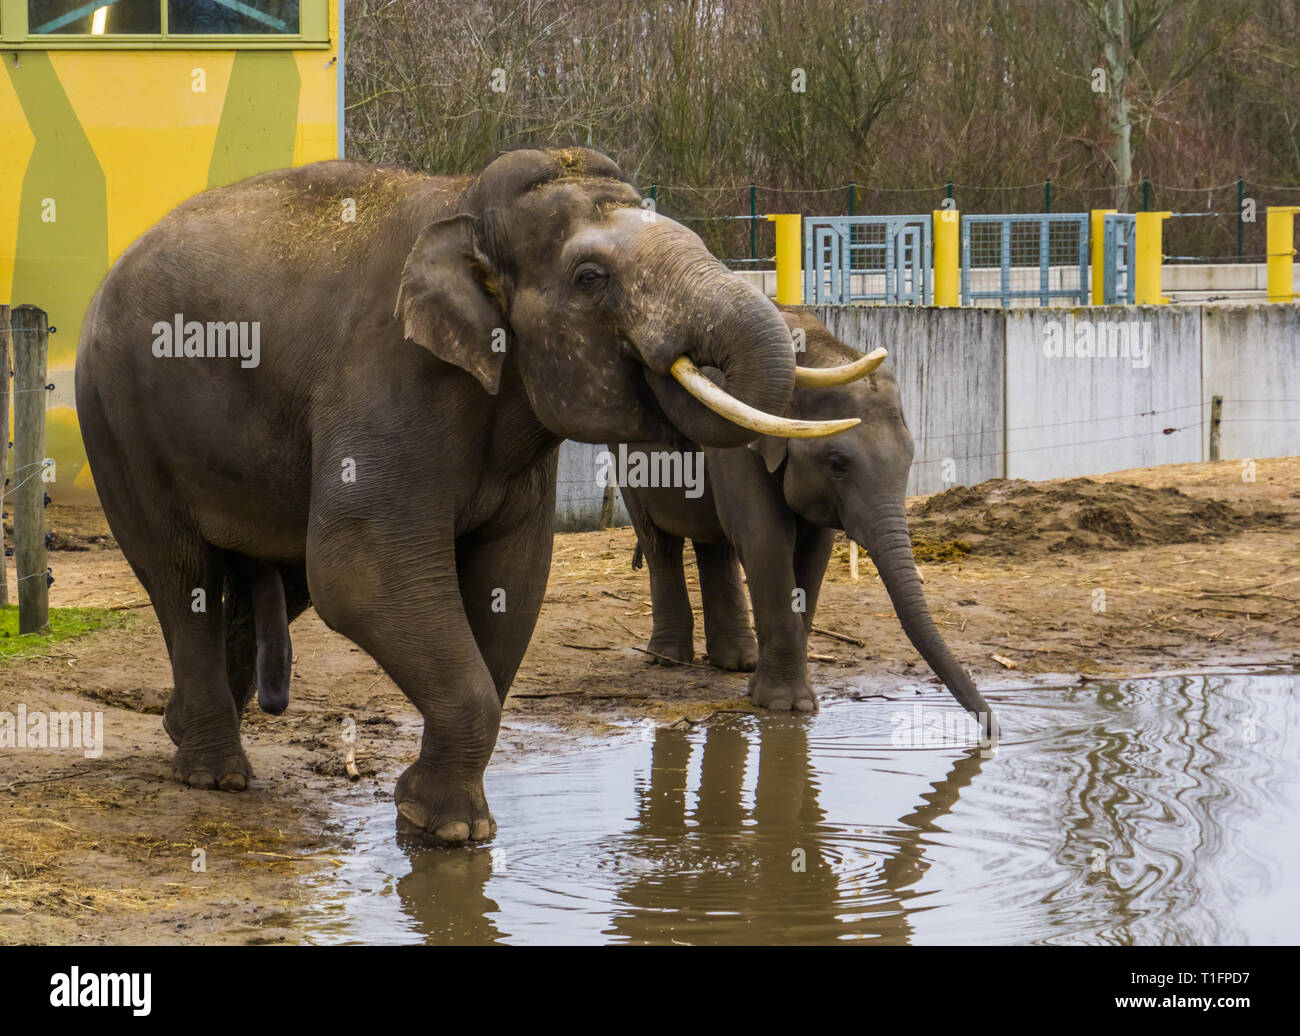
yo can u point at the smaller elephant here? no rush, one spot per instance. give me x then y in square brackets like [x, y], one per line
[775, 506]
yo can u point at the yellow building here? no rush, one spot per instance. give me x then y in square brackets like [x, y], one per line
[114, 111]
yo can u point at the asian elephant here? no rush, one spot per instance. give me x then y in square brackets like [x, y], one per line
[344, 385]
[775, 505]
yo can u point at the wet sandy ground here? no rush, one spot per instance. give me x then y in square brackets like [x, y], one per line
[110, 850]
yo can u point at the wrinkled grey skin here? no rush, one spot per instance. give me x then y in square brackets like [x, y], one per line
[776, 505]
[384, 462]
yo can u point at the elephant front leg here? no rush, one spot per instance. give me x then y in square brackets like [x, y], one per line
[811, 555]
[404, 608]
[780, 682]
[767, 550]
[502, 583]
[763, 530]
[440, 796]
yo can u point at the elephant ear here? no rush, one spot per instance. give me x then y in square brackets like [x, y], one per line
[772, 449]
[450, 300]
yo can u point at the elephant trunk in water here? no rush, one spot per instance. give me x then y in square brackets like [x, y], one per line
[885, 535]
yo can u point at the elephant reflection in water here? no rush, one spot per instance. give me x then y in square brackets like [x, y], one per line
[724, 874]
[445, 894]
[721, 871]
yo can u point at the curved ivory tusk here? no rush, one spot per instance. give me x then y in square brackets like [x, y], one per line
[746, 416]
[828, 377]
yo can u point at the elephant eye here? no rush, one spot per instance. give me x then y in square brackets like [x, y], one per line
[589, 276]
[837, 467]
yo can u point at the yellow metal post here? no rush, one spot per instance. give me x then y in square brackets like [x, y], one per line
[1150, 257]
[789, 261]
[947, 257]
[1281, 252]
[1097, 239]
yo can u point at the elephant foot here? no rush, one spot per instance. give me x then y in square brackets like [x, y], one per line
[671, 647]
[739, 654]
[440, 810]
[223, 769]
[782, 694]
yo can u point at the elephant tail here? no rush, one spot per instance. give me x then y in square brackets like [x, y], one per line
[271, 628]
[637, 556]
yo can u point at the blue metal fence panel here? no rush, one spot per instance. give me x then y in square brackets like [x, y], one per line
[868, 259]
[1014, 245]
[1118, 237]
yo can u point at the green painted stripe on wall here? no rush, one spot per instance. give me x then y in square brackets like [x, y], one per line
[63, 259]
[259, 120]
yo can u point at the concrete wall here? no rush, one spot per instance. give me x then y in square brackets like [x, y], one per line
[1057, 393]
[1250, 355]
[950, 369]
[1069, 414]
[578, 498]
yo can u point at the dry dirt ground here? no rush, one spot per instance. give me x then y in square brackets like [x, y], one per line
[1197, 566]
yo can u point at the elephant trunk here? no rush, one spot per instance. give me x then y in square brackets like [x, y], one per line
[693, 306]
[885, 535]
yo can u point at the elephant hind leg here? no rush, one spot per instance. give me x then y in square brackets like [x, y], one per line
[184, 577]
[672, 636]
[201, 717]
[260, 600]
[730, 641]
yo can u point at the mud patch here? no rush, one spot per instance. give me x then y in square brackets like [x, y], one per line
[1014, 517]
[73, 527]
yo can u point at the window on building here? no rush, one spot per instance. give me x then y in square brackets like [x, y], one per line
[93, 19]
[231, 16]
[145, 17]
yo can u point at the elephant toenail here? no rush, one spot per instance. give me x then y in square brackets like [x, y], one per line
[414, 814]
[201, 779]
[234, 782]
[482, 830]
[806, 705]
[779, 705]
[456, 831]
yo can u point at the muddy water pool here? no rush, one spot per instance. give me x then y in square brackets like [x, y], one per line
[1145, 811]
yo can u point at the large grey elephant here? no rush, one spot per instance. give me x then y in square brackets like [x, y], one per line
[775, 506]
[344, 385]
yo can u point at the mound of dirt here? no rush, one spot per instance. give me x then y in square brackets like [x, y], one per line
[1014, 517]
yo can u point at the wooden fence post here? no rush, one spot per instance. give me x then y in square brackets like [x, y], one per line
[1216, 426]
[4, 443]
[31, 342]
[607, 505]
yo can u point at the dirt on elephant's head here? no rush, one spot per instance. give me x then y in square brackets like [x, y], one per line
[1013, 517]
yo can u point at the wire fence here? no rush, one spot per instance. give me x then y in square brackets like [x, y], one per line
[1216, 223]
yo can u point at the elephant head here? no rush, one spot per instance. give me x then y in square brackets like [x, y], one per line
[620, 323]
[857, 481]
